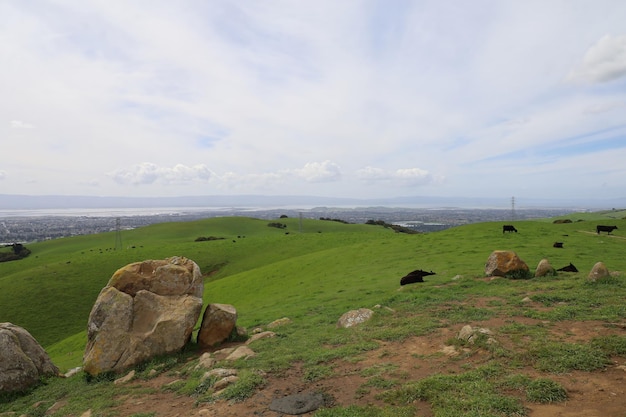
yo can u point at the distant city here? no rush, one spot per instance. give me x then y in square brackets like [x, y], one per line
[39, 225]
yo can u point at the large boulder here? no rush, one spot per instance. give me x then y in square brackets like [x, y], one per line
[505, 263]
[147, 309]
[218, 322]
[22, 360]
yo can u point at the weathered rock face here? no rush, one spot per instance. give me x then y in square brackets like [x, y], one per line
[22, 360]
[147, 309]
[599, 271]
[218, 322]
[505, 263]
[544, 269]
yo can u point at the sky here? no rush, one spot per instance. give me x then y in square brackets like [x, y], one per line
[350, 98]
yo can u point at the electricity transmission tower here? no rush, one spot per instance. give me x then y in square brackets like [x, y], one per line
[512, 208]
[118, 235]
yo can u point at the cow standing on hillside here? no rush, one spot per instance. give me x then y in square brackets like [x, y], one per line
[509, 228]
[607, 229]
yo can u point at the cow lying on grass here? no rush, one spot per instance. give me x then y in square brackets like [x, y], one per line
[415, 276]
[568, 268]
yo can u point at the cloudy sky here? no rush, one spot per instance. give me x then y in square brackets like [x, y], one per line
[350, 98]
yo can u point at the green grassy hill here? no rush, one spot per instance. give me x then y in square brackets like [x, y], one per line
[313, 271]
[268, 272]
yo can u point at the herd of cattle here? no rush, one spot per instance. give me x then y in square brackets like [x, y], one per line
[418, 275]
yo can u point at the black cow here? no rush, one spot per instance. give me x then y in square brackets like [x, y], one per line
[557, 245]
[568, 268]
[509, 228]
[415, 276]
[607, 229]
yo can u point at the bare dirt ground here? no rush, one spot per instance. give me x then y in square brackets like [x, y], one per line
[590, 394]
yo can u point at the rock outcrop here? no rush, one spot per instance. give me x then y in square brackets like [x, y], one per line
[598, 271]
[544, 269]
[505, 263]
[22, 360]
[147, 309]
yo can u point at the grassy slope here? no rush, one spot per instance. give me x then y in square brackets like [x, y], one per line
[266, 274]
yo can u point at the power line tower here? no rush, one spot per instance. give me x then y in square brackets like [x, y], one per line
[512, 208]
[118, 235]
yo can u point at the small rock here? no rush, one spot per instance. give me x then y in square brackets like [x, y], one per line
[220, 373]
[55, 407]
[279, 322]
[241, 352]
[73, 372]
[224, 382]
[86, 413]
[355, 317]
[206, 360]
[125, 379]
[298, 403]
[258, 336]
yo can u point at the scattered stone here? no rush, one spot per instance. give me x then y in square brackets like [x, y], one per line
[224, 382]
[599, 271]
[241, 352]
[123, 380]
[147, 309]
[73, 372]
[544, 269]
[220, 373]
[527, 300]
[354, 317]
[22, 360]
[206, 360]
[450, 351]
[174, 382]
[259, 336]
[279, 322]
[86, 413]
[55, 407]
[223, 353]
[468, 333]
[504, 263]
[457, 277]
[298, 403]
[218, 322]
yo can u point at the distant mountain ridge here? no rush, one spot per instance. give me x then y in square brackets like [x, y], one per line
[33, 202]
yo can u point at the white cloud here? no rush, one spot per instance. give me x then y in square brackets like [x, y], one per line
[18, 124]
[149, 173]
[297, 97]
[319, 172]
[403, 177]
[603, 62]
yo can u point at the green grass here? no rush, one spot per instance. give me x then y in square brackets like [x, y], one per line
[315, 275]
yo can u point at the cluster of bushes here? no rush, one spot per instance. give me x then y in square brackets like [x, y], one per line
[395, 227]
[18, 251]
[277, 225]
[205, 238]
[334, 220]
